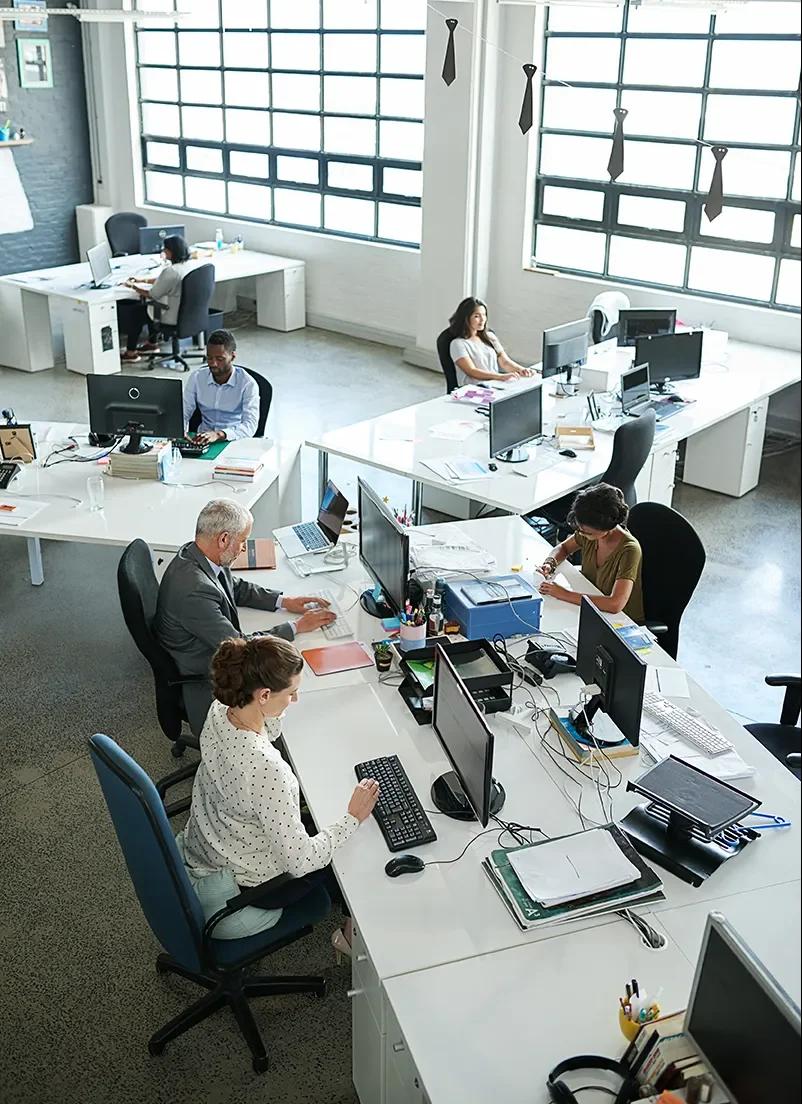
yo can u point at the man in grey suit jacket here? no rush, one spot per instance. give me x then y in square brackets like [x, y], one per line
[198, 599]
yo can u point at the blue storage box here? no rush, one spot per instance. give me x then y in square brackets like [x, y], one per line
[506, 605]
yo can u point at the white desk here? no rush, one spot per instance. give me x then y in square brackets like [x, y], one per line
[725, 427]
[162, 514]
[410, 928]
[89, 317]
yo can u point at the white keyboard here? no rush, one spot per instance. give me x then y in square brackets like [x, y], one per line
[690, 729]
[342, 626]
[609, 424]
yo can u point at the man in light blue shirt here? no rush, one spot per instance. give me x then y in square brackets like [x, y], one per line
[226, 396]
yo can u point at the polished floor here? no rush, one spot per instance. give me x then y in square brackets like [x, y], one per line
[79, 992]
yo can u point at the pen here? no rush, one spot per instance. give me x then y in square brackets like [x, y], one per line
[629, 991]
[635, 989]
[523, 475]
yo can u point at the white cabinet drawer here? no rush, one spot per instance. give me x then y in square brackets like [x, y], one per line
[367, 1052]
[402, 1081]
[364, 977]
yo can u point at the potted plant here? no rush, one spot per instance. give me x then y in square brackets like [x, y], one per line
[382, 655]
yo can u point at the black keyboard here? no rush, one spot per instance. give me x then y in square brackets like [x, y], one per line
[398, 812]
[193, 449]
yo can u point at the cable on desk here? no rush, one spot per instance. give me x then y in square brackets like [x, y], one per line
[649, 936]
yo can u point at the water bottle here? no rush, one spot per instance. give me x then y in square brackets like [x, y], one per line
[239, 243]
[218, 238]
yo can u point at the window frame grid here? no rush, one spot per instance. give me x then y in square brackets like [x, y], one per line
[378, 164]
[784, 209]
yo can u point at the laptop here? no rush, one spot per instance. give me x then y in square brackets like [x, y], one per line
[316, 536]
[636, 398]
[99, 258]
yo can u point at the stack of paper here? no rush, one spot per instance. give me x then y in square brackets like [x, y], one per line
[569, 869]
[16, 511]
[140, 465]
[458, 469]
[460, 555]
[476, 394]
[454, 430]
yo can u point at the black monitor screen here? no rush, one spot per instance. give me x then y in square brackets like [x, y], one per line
[623, 694]
[151, 238]
[515, 419]
[746, 1028]
[332, 511]
[675, 356]
[383, 547]
[464, 735]
[565, 346]
[633, 324]
[635, 387]
[154, 406]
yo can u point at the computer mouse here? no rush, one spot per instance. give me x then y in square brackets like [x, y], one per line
[492, 467]
[675, 398]
[569, 453]
[404, 864]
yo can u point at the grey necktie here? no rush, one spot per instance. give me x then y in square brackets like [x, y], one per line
[615, 166]
[714, 204]
[450, 63]
[527, 107]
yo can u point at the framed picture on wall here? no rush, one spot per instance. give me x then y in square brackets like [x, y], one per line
[35, 63]
[35, 18]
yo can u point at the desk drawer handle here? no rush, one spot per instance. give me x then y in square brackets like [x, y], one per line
[398, 1047]
[361, 958]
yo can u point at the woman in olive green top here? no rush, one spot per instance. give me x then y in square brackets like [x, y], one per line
[611, 557]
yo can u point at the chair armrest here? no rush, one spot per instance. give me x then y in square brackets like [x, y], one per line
[783, 680]
[657, 628]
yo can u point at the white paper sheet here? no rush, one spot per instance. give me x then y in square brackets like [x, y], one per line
[454, 430]
[15, 213]
[671, 682]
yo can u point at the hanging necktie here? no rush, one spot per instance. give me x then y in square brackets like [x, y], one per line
[450, 63]
[714, 203]
[225, 586]
[527, 107]
[615, 166]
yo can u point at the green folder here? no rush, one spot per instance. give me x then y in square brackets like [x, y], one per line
[212, 452]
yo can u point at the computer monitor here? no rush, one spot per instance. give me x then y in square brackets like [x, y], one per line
[566, 347]
[137, 406]
[384, 552]
[99, 258]
[514, 420]
[635, 389]
[604, 658]
[468, 792]
[671, 357]
[744, 1026]
[633, 324]
[151, 238]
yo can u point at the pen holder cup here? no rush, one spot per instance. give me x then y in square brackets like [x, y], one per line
[629, 1028]
[412, 636]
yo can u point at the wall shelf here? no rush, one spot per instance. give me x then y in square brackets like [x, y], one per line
[17, 142]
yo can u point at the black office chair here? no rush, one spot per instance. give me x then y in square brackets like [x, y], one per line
[784, 740]
[446, 363]
[673, 562]
[265, 400]
[122, 231]
[631, 447]
[197, 289]
[139, 591]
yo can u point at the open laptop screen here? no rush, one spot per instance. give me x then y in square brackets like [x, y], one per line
[332, 512]
[635, 388]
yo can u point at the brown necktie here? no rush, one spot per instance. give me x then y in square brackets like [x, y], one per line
[450, 63]
[714, 203]
[615, 166]
[526, 119]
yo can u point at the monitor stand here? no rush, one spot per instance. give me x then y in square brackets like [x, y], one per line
[568, 387]
[513, 456]
[669, 840]
[135, 446]
[449, 797]
[375, 608]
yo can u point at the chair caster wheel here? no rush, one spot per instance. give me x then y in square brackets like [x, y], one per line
[261, 1065]
[155, 1050]
[177, 751]
[321, 991]
[161, 968]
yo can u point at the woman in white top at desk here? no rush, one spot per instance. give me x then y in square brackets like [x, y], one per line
[165, 290]
[246, 808]
[476, 351]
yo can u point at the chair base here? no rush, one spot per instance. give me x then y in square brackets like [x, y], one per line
[235, 992]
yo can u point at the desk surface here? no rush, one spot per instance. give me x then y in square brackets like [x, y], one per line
[161, 514]
[74, 281]
[329, 731]
[751, 373]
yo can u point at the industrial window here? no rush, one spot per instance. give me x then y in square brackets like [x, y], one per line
[303, 113]
[688, 79]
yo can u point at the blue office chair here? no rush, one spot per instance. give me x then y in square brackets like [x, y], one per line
[174, 913]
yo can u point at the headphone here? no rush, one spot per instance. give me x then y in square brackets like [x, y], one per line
[560, 1093]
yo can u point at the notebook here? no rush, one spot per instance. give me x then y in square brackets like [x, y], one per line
[337, 657]
[260, 553]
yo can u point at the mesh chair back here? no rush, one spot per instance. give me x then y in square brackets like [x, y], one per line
[631, 447]
[673, 562]
[139, 591]
[122, 231]
[197, 289]
[446, 363]
[169, 902]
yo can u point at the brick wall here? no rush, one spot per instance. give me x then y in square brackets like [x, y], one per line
[56, 172]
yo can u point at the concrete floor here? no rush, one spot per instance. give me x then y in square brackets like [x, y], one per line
[80, 993]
